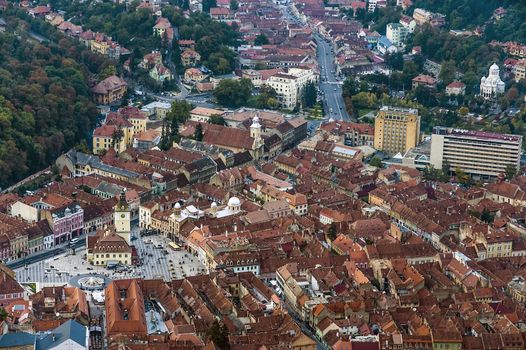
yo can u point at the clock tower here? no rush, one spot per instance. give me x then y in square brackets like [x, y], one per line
[122, 217]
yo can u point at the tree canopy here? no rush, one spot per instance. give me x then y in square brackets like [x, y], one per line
[45, 103]
[233, 93]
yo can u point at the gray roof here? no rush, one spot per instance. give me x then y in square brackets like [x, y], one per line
[69, 330]
[200, 164]
[107, 187]
[10, 340]
[204, 148]
[95, 162]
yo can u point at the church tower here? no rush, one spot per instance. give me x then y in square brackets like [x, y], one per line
[255, 133]
[122, 217]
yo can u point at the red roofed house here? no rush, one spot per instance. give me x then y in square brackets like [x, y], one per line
[190, 57]
[456, 88]
[9, 288]
[39, 11]
[194, 75]
[425, 81]
[219, 13]
[109, 90]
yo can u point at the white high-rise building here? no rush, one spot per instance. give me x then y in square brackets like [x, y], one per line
[492, 85]
[480, 154]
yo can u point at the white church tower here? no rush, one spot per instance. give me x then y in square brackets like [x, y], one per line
[122, 217]
[255, 133]
[492, 85]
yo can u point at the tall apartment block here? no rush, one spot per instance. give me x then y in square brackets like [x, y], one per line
[396, 129]
[480, 154]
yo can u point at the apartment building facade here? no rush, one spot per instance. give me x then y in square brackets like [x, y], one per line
[397, 34]
[480, 154]
[396, 129]
[289, 85]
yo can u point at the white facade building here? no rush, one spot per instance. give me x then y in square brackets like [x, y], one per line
[492, 85]
[288, 85]
[397, 34]
[480, 154]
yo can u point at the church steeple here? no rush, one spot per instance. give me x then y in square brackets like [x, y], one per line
[122, 217]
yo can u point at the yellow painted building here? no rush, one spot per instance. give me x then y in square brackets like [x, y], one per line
[499, 245]
[396, 129]
[100, 47]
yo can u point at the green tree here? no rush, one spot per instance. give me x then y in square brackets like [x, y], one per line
[261, 39]
[350, 87]
[332, 232]
[487, 216]
[165, 143]
[376, 162]
[511, 171]
[233, 93]
[446, 170]
[430, 173]
[461, 176]
[208, 4]
[174, 131]
[218, 333]
[395, 61]
[447, 73]
[180, 110]
[198, 133]
[117, 137]
[82, 146]
[309, 95]
[217, 119]
[234, 6]
[266, 99]
[3, 314]
[108, 71]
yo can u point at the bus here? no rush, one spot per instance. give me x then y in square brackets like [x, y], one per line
[174, 246]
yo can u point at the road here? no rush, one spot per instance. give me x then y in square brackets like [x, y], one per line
[200, 100]
[330, 85]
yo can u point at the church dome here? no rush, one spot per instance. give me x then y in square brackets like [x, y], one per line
[234, 202]
[177, 206]
[213, 205]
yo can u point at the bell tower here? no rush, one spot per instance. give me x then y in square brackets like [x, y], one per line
[122, 217]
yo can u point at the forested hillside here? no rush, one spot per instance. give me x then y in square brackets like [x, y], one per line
[462, 14]
[45, 104]
[133, 30]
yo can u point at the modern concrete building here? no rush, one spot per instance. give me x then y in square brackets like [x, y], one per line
[396, 129]
[480, 154]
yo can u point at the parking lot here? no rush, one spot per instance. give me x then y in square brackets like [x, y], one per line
[158, 261]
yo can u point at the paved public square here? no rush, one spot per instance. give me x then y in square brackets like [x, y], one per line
[156, 264]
